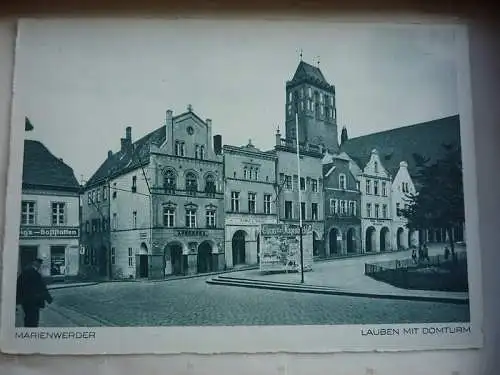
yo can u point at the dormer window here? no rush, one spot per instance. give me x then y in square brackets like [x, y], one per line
[342, 181]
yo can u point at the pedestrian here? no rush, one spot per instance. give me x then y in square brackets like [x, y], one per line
[426, 252]
[32, 293]
[414, 255]
[446, 253]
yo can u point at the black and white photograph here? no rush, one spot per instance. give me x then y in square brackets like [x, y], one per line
[240, 185]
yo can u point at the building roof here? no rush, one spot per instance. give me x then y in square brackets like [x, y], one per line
[41, 169]
[409, 143]
[307, 73]
[124, 161]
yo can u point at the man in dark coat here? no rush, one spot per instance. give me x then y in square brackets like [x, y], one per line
[32, 293]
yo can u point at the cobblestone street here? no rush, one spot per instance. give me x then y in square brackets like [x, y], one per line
[193, 302]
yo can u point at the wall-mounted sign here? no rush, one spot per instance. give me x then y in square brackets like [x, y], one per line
[192, 233]
[49, 232]
[377, 222]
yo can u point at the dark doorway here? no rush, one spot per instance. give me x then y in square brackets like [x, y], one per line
[351, 244]
[143, 266]
[316, 245]
[399, 238]
[334, 245]
[239, 247]
[27, 254]
[176, 259]
[205, 257]
[258, 249]
[370, 240]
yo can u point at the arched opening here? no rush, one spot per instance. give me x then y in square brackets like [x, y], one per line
[400, 238]
[411, 235]
[175, 261]
[333, 240]
[315, 244]
[370, 244]
[351, 241]
[142, 262]
[384, 239]
[239, 247]
[170, 181]
[191, 183]
[210, 185]
[205, 257]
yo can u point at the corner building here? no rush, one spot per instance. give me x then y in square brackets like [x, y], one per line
[164, 203]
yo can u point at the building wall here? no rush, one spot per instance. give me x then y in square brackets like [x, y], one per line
[342, 228]
[243, 222]
[37, 239]
[374, 172]
[311, 168]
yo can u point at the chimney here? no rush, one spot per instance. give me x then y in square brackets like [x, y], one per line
[110, 154]
[278, 137]
[128, 133]
[217, 144]
[209, 133]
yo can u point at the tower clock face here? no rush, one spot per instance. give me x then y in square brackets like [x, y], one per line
[190, 130]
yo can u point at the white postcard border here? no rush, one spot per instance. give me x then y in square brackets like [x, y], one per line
[247, 339]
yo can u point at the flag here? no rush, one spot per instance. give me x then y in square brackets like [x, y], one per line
[27, 125]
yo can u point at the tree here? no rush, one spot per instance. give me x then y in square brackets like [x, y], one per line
[439, 201]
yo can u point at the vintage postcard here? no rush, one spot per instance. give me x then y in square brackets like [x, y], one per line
[244, 185]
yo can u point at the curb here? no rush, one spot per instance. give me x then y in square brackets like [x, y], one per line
[257, 284]
[65, 286]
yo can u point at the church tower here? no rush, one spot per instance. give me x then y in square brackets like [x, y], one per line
[313, 98]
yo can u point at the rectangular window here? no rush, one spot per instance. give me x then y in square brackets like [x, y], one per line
[245, 173]
[98, 196]
[368, 210]
[86, 257]
[302, 184]
[87, 226]
[196, 151]
[384, 211]
[333, 206]
[295, 182]
[368, 187]
[251, 203]
[130, 257]
[251, 173]
[168, 217]
[104, 193]
[210, 219]
[190, 218]
[398, 209]
[384, 189]
[303, 210]
[314, 211]
[309, 92]
[342, 182]
[113, 256]
[288, 182]
[58, 213]
[134, 184]
[28, 213]
[377, 211]
[267, 203]
[134, 219]
[343, 208]
[375, 187]
[235, 201]
[256, 173]
[351, 208]
[57, 260]
[115, 221]
[179, 148]
[314, 185]
[288, 210]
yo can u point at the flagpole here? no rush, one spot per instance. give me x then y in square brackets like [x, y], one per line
[300, 200]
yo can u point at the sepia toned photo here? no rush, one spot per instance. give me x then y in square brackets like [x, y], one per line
[239, 184]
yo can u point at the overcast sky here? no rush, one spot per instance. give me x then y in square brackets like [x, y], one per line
[82, 82]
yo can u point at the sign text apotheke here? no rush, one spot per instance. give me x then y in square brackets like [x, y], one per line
[49, 232]
[193, 233]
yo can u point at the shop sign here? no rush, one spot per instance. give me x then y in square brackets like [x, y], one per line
[192, 233]
[49, 232]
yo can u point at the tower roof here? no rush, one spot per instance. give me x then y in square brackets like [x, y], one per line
[311, 74]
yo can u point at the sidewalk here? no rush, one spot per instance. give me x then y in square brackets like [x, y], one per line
[55, 316]
[347, 276]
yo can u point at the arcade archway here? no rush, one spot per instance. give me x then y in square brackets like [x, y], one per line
[370, 240]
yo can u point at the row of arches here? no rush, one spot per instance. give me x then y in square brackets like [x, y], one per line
[170, 181]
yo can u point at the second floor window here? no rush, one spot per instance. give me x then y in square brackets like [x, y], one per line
[179, 148]
[58, 213]
[398, 209]
[342, 182]
[210, 218]
[368, 187]
[191, 218]
[210, 185]
[314, 185]
[28, 213]
[333, 206]
[251, 203]
[343, 209]
[377, 211]
[303, 210]
[235, 201]
[267, 203]
[168, 217]
[302, 184]
[384, 211]
[202, 152]
[169, 183]
[288, 182]
[368, 210]
[384, 189]
[352, 209]
[375, 187]
[196, 152]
